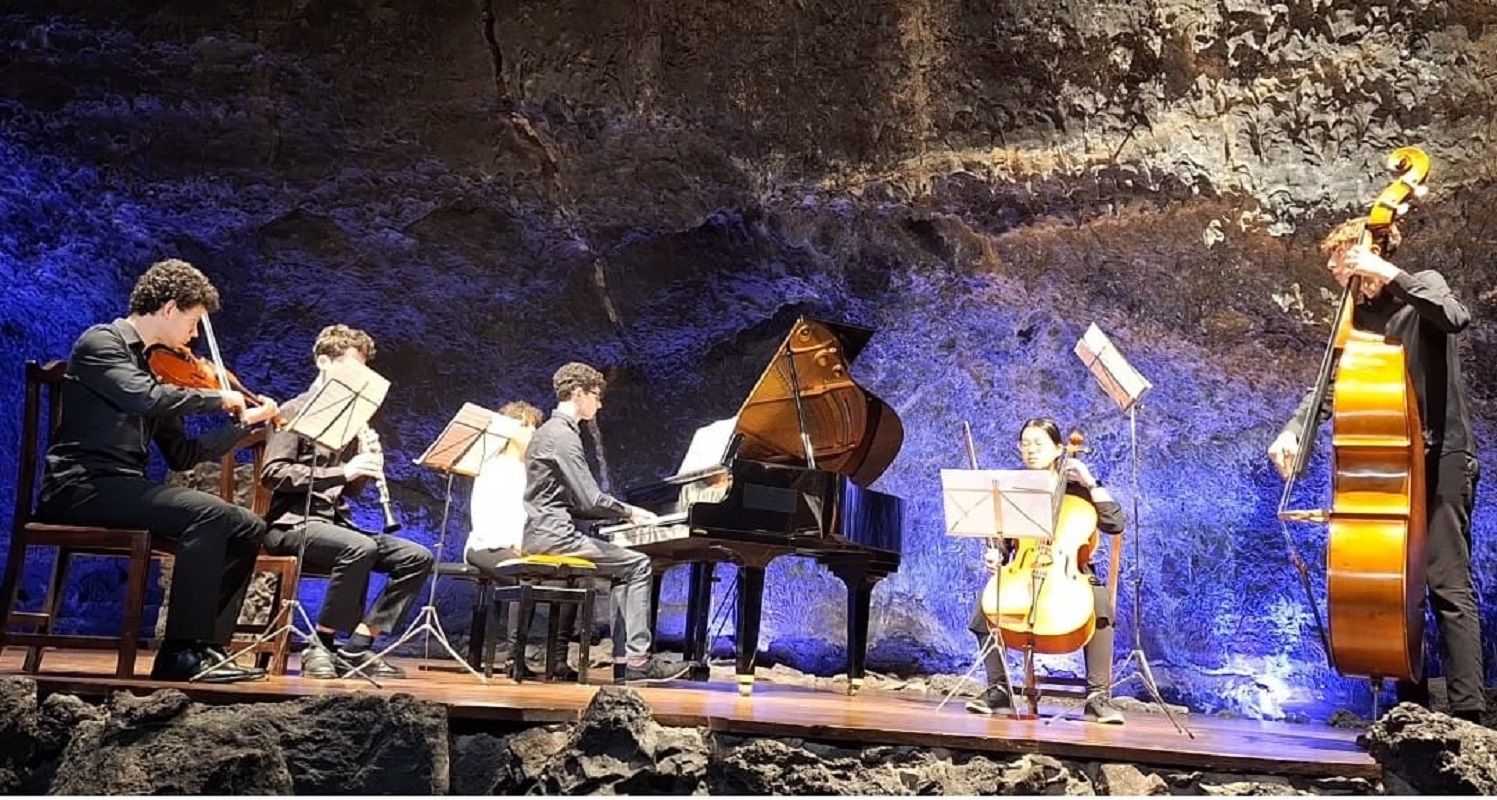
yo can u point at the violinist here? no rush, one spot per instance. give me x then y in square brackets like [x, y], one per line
[95, 474]
[1419, 311]
[293, 466]
[1041, 448]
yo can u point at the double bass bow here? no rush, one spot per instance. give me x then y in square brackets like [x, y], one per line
[1375, 550]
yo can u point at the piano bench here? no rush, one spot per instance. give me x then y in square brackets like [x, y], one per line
[556, 581]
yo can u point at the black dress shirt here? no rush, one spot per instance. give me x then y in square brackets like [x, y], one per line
[292, 463]
[113, 407]
[559, 484]
[1420, 312]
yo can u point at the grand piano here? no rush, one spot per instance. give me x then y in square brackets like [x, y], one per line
[787, 476]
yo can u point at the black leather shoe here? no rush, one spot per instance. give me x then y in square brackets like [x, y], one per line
[373, 666]
[317, 662]
[184, 662]
[216, 654]
[654, 670]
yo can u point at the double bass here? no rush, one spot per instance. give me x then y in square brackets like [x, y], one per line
[1375, 551]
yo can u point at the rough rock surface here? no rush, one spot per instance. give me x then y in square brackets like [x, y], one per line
[618, 748]
[661, 188]
[164, 744]
[1434, 753]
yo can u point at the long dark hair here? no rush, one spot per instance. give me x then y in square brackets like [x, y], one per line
[1045, 424]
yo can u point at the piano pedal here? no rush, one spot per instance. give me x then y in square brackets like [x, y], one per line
[745, 685]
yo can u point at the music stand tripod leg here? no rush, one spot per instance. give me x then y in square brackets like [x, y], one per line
[426, 620]
[1144, 673]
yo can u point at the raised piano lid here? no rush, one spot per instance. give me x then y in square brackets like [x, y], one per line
[852, 432]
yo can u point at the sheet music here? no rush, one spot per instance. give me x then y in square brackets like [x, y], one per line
[1117, 377]
[470, 438]
[709, 446]
[1011, 503]
[341, 406]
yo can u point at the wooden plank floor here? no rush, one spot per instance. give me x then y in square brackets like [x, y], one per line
[780, 710]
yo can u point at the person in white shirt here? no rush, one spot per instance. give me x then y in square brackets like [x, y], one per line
[497, 506]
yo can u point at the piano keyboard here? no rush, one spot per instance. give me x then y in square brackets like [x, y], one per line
[664, 528]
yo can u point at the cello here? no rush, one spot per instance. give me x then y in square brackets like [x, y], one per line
[1375, 549]
[1041, 600]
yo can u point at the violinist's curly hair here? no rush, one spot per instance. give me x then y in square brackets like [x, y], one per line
[524, 412]
[1350, 232]
[577, 375]
[172, 279]
[334, 340]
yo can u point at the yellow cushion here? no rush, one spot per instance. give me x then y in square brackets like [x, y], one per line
[546, 560]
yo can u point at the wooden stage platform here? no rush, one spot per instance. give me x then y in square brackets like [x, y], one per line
[786, 711]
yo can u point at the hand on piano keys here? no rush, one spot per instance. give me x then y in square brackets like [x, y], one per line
[658, 528]
[641, 516]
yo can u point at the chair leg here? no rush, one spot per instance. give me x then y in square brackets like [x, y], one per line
[51, 606]
[11, 585]
[291, 579]
[522, 634]
[491, 636]
[135, 600]
[477, 633]
[554, 640]
[585, 633]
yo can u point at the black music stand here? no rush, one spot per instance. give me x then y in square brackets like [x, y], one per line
[994, 505]
[1127, 387]
[469, 439]
[342, 403]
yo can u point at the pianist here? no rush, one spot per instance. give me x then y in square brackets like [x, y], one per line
[559, 486]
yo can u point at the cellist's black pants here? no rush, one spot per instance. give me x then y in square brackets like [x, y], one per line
[1097, 653]
[1452, 492]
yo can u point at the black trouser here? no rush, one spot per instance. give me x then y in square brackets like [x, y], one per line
[1452, 493]
[488, 562]
[1097, 653]
[218, 543]
[349, 556]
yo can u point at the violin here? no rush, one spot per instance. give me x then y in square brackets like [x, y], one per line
[180, 366]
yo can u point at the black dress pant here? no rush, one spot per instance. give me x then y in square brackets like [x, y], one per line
[349, 556]
[1452, 493]
[218, 543]
[1097, 653]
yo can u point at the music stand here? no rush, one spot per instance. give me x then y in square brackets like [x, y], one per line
[994, 505]
[470, 438]
[343, 401]
[1126, 387]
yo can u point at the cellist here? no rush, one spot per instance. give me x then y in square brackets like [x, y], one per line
[1419, 311]
[1041, 447]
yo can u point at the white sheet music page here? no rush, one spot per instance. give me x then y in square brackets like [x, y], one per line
[709, 446]
[1117, 377]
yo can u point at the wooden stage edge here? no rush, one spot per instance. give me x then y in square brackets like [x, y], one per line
[778, 710]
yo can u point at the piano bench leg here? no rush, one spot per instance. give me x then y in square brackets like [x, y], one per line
[745, 685]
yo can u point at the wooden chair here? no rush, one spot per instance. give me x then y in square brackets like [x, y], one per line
[138, 545]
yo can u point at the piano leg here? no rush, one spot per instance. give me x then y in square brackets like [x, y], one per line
[750, 603]
[859, 597]
[698, 615]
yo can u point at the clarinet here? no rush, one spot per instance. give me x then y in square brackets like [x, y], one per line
[369, 443]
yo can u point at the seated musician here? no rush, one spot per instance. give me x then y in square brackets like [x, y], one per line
[96, 465]
[497, 508]
[1040, 447]
[293, 467]
[1419, 311]
[559, 485]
